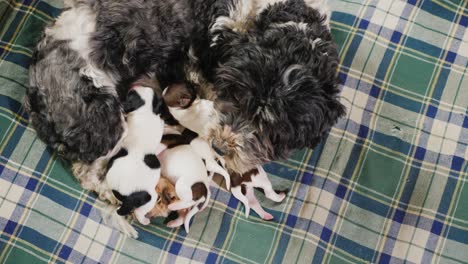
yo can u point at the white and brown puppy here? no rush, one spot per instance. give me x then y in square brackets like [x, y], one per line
[243, 189]
[202, 148]
[135, 170]
[186, 170]
[192, 112]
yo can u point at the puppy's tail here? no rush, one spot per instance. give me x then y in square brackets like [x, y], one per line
[132, 201]
[116, 221]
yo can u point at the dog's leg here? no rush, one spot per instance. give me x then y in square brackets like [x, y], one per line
[91, 176]
[189, 216]
[237, 192]
[181, 204]
[140, 212]
[112, 219]
[212, 166]
[179, 220]
[261, 181]
[176, 222]
[253, 202]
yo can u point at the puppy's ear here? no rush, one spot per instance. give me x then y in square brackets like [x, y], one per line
[132, 201]
[157, 104]
[133, 102]
[179, 95]
[119, 196]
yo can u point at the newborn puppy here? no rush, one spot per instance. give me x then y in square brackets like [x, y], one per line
[185, 169]
[135, 170]
[202, 148]
[243, 189]
[167, 194]
[192, 112]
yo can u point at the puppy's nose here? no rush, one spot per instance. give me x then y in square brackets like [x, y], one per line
[219, 150]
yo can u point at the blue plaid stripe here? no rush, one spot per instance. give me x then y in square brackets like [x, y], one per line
[387, 185]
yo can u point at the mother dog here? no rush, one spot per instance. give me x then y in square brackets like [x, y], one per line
[270, 66]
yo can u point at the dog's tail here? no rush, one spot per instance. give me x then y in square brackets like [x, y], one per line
[131, 201]
[116, 221]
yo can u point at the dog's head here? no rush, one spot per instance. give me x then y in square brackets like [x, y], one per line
[281, 78]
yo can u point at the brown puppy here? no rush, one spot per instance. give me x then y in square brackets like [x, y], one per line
[167, 195]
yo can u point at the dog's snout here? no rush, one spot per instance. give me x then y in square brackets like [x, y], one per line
[219, 150]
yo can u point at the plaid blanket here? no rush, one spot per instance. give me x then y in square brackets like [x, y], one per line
[387, 185]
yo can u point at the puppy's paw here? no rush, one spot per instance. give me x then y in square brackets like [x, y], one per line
[267, 216]
[281, 196]
[144, 221]
[176, 222]
[173, 224]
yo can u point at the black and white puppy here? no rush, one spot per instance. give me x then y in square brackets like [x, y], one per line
[134, 171]
[213, 162]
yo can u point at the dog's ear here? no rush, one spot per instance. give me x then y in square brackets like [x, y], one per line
[133, 102]
[225, 106]
[119, 196]
[132, 201]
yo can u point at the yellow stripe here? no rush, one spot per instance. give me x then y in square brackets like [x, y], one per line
[368, 34]
[34, 196]
[407, 94]
[287, 208]
[404, 176]
[459, 10]
[27, 243]
[420, 124]
[9, 48]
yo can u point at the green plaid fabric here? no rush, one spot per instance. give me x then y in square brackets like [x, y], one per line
[387, 185]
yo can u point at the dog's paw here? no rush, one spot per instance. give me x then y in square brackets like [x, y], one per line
[108, 196]
[175, 223]
[144, 221]
[88, 185]
[267, 216]
[281, 196]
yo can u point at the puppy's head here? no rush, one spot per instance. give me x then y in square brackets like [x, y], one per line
[281, 76]
[167, 194]
[179, 95]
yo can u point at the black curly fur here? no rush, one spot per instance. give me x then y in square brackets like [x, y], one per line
[283, 87]
[136, 37]
[280, 81]
[73, 124]
[80, 121]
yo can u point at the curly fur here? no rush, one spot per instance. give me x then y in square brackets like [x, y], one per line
[67, 109]
[278, 71]
[91, 54]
